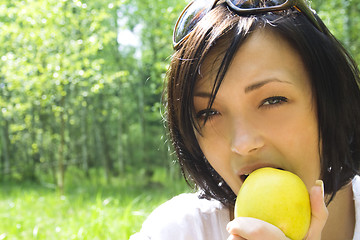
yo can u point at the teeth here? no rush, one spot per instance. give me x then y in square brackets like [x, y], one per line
[244, 176]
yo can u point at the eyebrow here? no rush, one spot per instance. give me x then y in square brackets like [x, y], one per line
[260, 84]
[249, 88]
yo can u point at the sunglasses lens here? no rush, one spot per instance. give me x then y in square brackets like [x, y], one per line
[252, 4]
[190, 17]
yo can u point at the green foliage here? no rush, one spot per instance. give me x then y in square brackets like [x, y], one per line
[343, 19]
[70, 94]
[90, 208]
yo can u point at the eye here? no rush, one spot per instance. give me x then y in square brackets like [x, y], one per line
[206, 114]
[273, 101]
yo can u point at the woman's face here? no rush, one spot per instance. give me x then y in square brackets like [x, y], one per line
[263, 114]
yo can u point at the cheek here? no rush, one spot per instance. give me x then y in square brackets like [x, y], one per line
[211, 146]
[219, 156]
[213, 141]
[216, 151]
[301, 147]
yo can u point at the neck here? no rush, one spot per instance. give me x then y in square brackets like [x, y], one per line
[341, 220]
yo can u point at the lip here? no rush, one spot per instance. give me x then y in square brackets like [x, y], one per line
[245, 171]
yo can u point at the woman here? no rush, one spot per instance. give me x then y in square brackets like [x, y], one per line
[257, 84]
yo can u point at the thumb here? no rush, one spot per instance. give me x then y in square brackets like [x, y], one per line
[319, 212]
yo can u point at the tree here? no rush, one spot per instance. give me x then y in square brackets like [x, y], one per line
[71, 95]
[343, 19]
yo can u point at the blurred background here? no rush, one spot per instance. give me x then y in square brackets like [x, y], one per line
[84, 153]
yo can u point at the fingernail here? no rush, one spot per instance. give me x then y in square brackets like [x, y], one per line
[320, 183]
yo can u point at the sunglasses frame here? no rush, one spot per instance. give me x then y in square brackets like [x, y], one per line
[299, 5]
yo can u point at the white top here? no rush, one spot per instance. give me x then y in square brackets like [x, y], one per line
[356, 191]
[186, 217]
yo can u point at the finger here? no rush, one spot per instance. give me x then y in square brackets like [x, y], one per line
[254, 229]
[319, 212]
[235, 237]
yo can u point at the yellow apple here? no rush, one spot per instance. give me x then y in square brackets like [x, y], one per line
[278, 197]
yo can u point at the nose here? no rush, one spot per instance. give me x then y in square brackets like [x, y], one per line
[246, 139]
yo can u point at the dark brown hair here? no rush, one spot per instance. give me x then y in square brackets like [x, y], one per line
[334, 79]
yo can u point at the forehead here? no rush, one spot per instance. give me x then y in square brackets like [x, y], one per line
[262, 54]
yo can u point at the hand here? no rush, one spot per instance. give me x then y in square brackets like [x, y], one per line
[244, 228]
[319, 212]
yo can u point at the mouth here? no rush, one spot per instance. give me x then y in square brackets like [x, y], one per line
[244, 176]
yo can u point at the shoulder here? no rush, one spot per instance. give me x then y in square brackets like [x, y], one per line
[186, 216]
[356, 187]
[188, 204]
[356, 192]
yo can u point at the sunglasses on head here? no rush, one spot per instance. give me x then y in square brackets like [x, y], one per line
[197, 9]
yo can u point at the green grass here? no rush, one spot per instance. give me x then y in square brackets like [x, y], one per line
[89, 209]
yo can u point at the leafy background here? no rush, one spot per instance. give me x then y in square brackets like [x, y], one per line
[83, 149]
